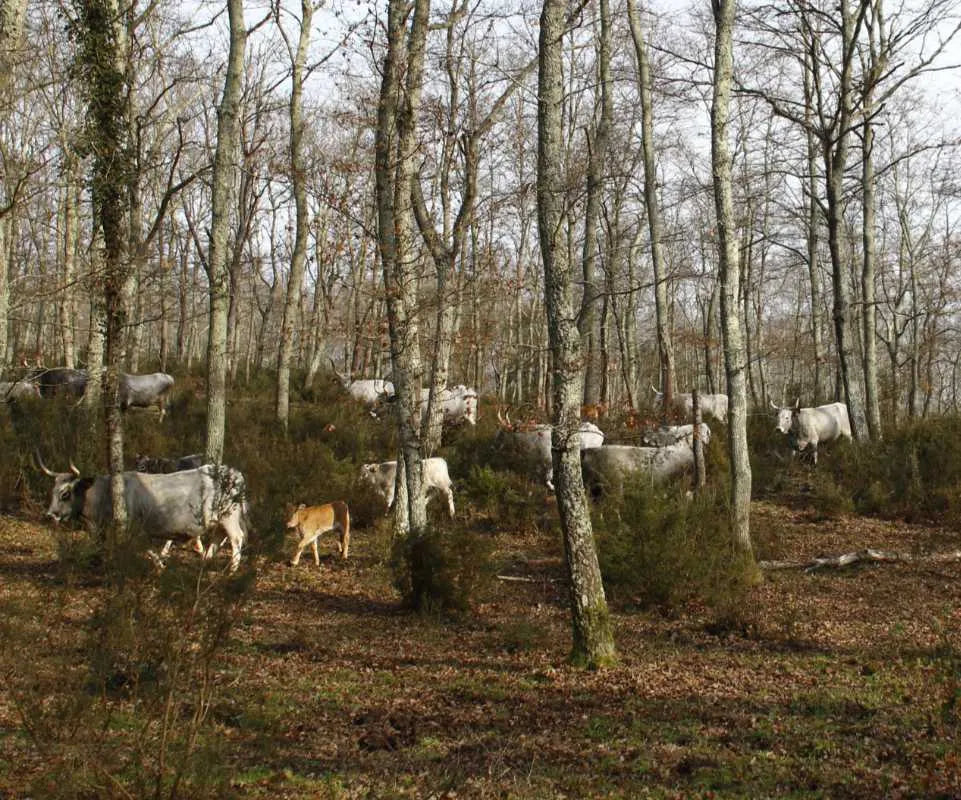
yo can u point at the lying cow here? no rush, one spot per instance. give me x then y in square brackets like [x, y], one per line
[144, 391]
[144, 463]
[609, 466]
[18, 390]
[382, 477]
[179, 505]
[534, 444]
[665, 435]
[712, 405]
[808, 427]
[311, 521]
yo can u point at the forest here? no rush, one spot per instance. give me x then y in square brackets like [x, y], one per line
[557, 219]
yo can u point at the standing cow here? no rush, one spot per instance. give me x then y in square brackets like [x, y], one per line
[59, 380]
[534, 443]
[435, 477]
[179, 505]
[372, 393]
[712, 405]
[808, 427]
[144, 391]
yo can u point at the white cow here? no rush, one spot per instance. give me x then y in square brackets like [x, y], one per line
[712, 405]
[808, 427]
[534, 443]
[672, 434]
[371, 393]
[459, 404]
[383, 477]
[608, 466]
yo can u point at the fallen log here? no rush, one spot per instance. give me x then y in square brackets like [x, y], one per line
[868, 554]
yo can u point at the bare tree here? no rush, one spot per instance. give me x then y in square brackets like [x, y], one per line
[299, 183]
[729, 264]
[395, 160]
[224, 183]
[593, 640]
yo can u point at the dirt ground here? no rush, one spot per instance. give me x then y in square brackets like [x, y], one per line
[839, 683]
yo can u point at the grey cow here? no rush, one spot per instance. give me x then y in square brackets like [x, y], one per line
[144, 391]
[611, 465]
[179, 505]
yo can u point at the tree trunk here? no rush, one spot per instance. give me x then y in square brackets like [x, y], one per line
[226, 158]
[665, 343]
[298, 177]
[813, 226]
[395, 154]
[593, 641]
[587, 322]
[730, 278]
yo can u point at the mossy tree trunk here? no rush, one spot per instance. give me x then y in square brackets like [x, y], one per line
[593, 640]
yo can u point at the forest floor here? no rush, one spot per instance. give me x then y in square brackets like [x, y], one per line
[841, 683]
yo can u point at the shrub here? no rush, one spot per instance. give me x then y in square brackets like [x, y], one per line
[660, 548]
[441, 571]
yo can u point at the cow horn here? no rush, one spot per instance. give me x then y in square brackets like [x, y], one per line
[42, 466]
[797, 403]
[776, 408]
[74, 470]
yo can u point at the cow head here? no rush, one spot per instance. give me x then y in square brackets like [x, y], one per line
[785, 417]
[294, 519]
[68, 493]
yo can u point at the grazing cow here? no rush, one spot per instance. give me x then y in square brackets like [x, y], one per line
[182, 505]
[712, 405]
[433, 472]
[143, 391]
[144, 463]
[18, 390]
[808, 427]
[311, 521]
[59, 380]
[608, 466]
[534, 443]
[458, 403]
[665, 435]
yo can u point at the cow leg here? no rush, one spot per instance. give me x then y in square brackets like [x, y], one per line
[235, 533]
[161, 406]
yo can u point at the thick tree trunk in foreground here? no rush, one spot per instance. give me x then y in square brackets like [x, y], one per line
[395, 161]
[593, 640]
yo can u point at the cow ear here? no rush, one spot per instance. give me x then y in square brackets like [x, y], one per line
[302, 506]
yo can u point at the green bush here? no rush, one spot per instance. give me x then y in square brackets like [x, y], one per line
[441, 571]
[660, 548]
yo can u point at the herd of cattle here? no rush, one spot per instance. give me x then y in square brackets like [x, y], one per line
[187, 499]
